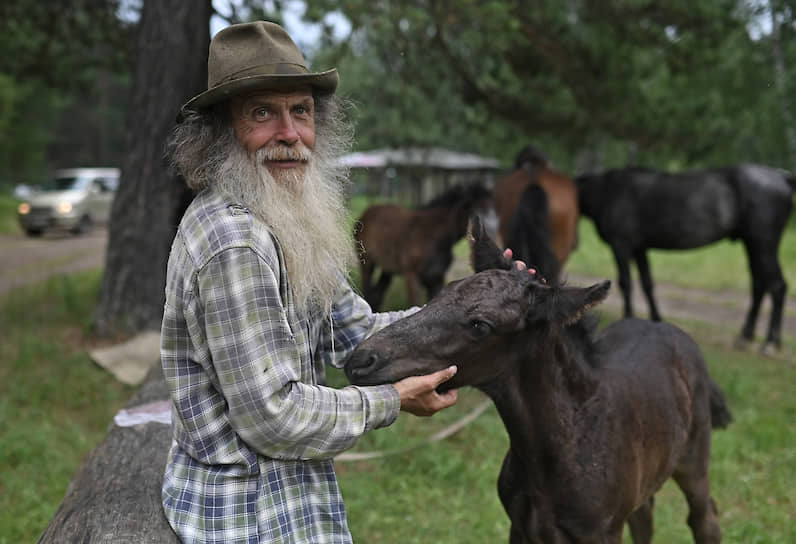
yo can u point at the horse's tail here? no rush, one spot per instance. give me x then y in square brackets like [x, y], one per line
[529, 235]
[720, 415]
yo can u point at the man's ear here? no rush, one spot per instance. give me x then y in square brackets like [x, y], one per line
[484, 253]
[564, 305]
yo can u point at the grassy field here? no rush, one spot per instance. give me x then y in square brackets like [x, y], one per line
[56, 404]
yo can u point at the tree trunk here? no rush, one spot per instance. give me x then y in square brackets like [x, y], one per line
[170, 67]
[115, 495]
[781, 77]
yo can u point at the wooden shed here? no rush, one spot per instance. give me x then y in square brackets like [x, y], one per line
[414, 175]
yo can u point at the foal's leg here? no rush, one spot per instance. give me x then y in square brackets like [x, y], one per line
[366, 268]
[377, 292]
[412, 288]
[640, 523]
[703, 517]
[692, 477]
[646, 282]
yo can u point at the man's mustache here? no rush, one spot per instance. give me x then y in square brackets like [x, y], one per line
[298, 152]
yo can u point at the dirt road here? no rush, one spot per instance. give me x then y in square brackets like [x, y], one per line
[719, 314]
[29, 260]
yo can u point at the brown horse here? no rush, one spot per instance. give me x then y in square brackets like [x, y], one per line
[596, 423]
[533, 168]
[417, 243]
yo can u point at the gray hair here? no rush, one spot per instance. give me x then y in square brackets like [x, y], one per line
[200, 143]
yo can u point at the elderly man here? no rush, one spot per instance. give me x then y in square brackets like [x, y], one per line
[257, 302]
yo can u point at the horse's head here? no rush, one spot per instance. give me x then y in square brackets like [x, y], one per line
[481, 323]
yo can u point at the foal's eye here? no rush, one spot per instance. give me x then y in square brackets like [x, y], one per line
[480, 328]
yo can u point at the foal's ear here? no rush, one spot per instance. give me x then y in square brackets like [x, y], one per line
[484, 253]
[569, 304]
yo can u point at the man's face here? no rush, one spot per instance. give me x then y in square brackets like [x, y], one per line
[276, 122]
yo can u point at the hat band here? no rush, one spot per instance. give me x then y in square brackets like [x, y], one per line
[277, 69]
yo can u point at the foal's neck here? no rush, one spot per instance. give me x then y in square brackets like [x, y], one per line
[552, 380]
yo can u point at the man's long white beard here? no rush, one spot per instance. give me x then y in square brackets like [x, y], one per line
[305, 209]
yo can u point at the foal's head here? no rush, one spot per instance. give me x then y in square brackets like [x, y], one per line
[482, 323]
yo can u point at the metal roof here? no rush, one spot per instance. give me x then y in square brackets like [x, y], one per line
[415, 156]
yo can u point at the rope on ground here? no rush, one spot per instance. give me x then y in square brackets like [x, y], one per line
[436, 437]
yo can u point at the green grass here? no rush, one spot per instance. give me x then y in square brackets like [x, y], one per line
[56, 405]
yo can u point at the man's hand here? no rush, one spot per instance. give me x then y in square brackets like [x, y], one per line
[419, 396]
[520, 265]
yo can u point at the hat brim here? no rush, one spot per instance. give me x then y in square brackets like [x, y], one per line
[325, 82]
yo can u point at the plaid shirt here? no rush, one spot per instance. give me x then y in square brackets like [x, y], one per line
[254, 429]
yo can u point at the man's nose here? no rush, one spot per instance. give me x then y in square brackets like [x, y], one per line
[286, 130]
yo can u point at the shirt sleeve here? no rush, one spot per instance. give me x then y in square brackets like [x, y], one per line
[271, 403]
[351, 321]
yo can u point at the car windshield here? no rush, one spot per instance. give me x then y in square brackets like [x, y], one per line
[65, 183]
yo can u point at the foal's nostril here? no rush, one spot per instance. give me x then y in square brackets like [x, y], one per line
[361, 367]
[370, 363]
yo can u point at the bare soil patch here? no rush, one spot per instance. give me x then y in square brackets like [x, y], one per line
[718, 314]
[29, 260]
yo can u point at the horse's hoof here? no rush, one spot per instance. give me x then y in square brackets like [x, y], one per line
[741, 343]
[769, 349]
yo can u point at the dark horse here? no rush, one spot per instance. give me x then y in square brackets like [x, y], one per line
[417, 243]
[635, 209]
[597, 423]
[531, 189]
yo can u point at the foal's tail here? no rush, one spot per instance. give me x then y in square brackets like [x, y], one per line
[720, 415]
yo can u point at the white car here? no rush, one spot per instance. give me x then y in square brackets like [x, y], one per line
[74, 199]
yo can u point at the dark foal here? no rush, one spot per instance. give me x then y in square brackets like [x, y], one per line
[596, 424]
[636, 209]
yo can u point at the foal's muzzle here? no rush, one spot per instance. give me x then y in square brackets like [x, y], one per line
[363, 366]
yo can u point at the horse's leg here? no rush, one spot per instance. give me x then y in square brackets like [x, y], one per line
[640, 523]
[412, 288]
[773, 282]
[366, 268]
[640, 257]
[433, 286]
[757, 271]
[625, 282]
[378, 291]
[774, 338]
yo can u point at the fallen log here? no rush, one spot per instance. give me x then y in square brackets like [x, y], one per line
[115, 495]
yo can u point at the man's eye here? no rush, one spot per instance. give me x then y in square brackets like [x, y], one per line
[260, 114]
[480, 328]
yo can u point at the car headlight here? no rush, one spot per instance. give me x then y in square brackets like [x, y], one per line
[64, 207]
[23, 208]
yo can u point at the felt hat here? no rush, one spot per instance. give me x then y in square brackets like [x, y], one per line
[258, 55]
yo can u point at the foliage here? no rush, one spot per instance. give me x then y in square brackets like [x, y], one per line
[674, 84]
[52, 55]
